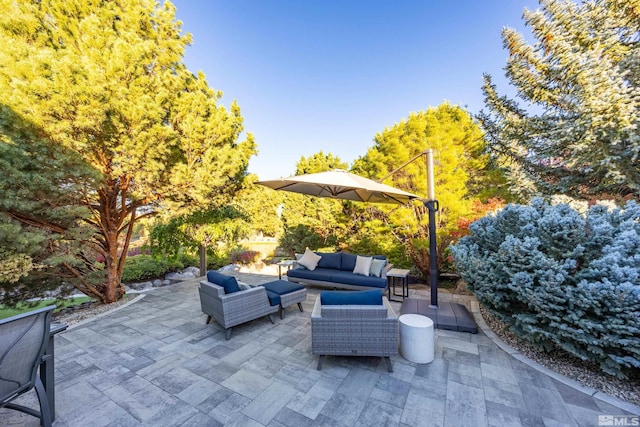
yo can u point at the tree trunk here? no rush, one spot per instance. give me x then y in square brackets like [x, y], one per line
[203, 260]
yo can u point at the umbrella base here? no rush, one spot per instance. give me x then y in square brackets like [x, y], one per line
[447, 315]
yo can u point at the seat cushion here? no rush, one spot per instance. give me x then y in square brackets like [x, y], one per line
[274, 298]
[229, 283]
[372, 297]
[348, 278]
[282, 287]
[323, 274]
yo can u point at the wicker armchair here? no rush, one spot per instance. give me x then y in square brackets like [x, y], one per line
[24, 339]
[354, 330]
[233, 309]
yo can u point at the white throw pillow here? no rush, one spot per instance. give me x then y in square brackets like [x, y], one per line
[376, 267]
[363, 265]
[309, 260]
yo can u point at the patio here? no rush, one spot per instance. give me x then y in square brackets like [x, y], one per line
[155, 362]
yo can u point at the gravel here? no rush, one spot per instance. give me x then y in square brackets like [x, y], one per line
[586, 373]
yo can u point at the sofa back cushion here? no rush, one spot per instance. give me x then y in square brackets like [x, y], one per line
[348, 262]
[372, 297]
[229, 283]
[330, 260]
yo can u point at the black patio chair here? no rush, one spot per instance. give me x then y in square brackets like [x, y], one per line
[24, 339]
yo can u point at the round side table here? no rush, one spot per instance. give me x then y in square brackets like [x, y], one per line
[417, 338]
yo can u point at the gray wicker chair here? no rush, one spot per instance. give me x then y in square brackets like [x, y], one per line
[354, 330]
[233, 309]
[24, 340]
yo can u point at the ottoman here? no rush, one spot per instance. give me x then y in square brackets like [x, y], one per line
[284, 293]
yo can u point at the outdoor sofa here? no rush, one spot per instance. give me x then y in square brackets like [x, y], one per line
[341, 270]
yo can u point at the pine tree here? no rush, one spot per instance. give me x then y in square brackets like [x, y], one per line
[573, 128]
[106, 81]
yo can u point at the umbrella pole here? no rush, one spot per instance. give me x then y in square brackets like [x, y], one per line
[432, 205]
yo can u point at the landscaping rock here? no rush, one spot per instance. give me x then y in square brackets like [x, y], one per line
[179, 276]
[192, 270]
[140, 286]
[157, 283]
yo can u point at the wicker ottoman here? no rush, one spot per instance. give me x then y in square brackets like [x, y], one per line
[284, 294]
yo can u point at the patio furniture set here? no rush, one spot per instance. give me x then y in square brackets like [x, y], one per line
[343, 323]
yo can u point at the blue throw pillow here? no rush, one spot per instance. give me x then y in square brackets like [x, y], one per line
[229, 283]
[372, 297]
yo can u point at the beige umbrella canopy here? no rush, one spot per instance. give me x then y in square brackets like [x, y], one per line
[339, 184]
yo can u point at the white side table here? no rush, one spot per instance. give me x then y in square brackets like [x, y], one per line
[286, 263]
[393, 276]
[417, 338]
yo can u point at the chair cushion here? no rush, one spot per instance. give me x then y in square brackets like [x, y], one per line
[330, 260]
[376, 267]
[229, 283]
[274, 298]
[372, 297]
[363, 265]
[309, 260]
[282, 287]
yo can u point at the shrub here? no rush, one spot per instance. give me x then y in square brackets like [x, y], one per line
[243, 256]
[145, 267]
[559, 278]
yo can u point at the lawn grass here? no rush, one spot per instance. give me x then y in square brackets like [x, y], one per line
[24, 307]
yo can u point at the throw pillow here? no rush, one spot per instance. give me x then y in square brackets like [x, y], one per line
[372, 297]
[309, 260]
[363, 265]
[376, 267]
[229, 283]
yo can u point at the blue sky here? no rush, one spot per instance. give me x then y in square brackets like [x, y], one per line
[329, 75]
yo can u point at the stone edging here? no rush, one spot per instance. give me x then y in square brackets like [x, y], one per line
[619, 403]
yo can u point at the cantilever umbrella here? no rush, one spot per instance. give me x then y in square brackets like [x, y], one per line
[340, 184]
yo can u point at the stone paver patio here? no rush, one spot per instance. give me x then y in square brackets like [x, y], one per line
[155, 362]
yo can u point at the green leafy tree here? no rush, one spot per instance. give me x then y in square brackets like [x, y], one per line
[262, 205]
[459, 167]
[321, 217]
[573, 128]
[106, 81]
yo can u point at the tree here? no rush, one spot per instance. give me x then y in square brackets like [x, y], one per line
[577, 132]
[321, 218]
[106, 81]
[40, 210]
[459, 164]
